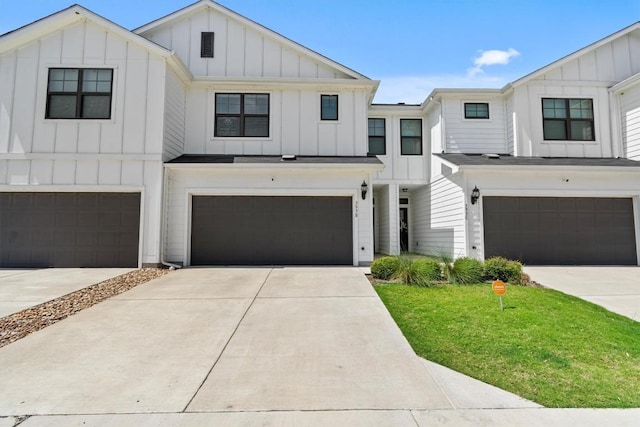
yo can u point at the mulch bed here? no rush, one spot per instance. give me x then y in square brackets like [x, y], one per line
[20, 324]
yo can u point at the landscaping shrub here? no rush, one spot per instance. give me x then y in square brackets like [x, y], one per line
[385, 268]
[420, 272]
[499, 268]
[467, 270]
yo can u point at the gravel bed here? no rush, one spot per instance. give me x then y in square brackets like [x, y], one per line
[20, 324]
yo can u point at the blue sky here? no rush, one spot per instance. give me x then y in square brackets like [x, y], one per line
[412, 46]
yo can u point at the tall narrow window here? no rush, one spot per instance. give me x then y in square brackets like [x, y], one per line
[79, 93]
[377, 143]
[476, 110]
[242, 114]
[206, 45]
[411, 137]
[329, 107]
[568, 119]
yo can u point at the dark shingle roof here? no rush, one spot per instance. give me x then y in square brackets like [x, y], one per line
[507, 160]
[237, 159]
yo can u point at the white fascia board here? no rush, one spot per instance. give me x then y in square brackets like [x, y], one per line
[547, 168]
[625, 84]
[454, 168]
[179, 67]
[437, 94]
[303, 50]
[65, 17]
[350, 167]
[280, 82]
[396, 109]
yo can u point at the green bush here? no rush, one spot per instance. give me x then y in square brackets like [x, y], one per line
[466, 270]
[420, 272]
[385, 268]
[499, 268]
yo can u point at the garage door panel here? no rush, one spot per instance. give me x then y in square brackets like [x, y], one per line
[571, 231]
[67, 229]
[256, 230]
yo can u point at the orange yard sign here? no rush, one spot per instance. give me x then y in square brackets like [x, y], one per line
[499, 287]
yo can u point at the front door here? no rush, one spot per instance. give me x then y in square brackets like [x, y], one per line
[404, 229]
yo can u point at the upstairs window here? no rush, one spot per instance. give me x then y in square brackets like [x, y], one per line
[476, 110]
[568, 119]
[206, 45]
[411, 137]
[377, 144]
[328, 107]
[79, 93]
[242, 114]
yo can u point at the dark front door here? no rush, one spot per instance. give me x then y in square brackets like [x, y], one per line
[560, 230]
[264, 230]
[404, 229]
[69, 229]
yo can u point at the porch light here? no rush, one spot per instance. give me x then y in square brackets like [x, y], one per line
[363, 188]
[475, 195]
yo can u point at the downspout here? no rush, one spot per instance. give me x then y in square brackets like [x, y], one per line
[617, 142]
[443, 139]
[165, 185]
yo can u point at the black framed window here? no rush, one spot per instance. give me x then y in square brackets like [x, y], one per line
[206, 45]
[79, 93]
[411, 137]
[242, 114]
[476, 110]
[328, 107]
[568, 119]
[377, 134]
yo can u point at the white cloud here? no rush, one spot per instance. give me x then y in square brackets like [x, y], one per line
[491, 57]
[415, 89]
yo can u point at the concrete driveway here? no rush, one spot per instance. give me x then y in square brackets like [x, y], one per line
[233, 341]
[20, 289]
[615, 288]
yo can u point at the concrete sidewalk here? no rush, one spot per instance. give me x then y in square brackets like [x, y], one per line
[256, 346]
[615, 288]
[20, 289]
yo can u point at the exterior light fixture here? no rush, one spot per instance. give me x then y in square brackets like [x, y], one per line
[363, 188]
[475, 195]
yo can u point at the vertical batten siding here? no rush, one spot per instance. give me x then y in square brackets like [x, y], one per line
[239, 50]
[630, 122]
[439, 223]
[174, 117]
[474, 135]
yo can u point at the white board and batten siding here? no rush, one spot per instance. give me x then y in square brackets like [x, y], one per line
[239, 50]
[118, 154]
[588, 75]
[474, 136]
[174, 117]
[294, 124]
[438, 211]
[182, 184]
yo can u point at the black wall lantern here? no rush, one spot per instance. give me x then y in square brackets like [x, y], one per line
[363, 188]
[475, 195]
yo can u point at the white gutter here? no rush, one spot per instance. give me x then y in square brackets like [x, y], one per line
[163, 216]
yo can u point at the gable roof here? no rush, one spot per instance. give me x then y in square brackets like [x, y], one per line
[75, 13]
[562, 61]
[209, 4]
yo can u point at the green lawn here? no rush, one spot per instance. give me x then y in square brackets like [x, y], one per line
[554, 349]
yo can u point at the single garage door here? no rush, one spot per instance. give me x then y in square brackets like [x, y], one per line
[239, 230]
[560, 230]
[69, 229]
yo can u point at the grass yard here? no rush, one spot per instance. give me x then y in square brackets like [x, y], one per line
[554, 349]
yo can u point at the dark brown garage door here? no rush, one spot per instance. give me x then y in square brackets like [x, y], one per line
[560, 230]
[69, 229]
[239, 230]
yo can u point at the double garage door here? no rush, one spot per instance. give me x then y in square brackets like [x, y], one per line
[560, 230]
[264, 230]
[69, 230]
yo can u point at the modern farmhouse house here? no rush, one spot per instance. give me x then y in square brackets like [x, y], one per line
[203, 138]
